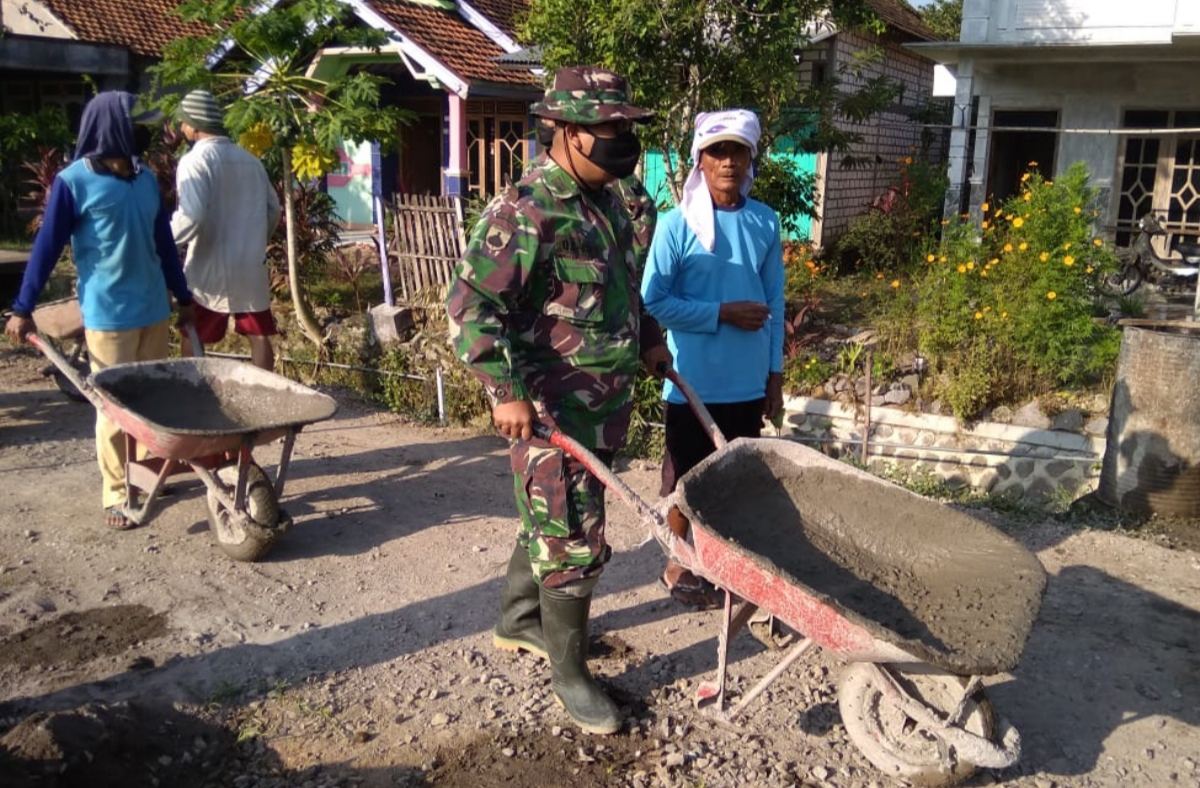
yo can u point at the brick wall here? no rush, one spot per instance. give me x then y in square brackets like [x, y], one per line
[886, 138]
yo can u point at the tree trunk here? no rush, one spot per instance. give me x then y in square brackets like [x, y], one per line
[674, 185]
[304, 315]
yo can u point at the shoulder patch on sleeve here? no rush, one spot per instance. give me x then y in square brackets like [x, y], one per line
[498, 235]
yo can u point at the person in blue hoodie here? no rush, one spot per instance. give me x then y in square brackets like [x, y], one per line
[714, 279]
[106, 204]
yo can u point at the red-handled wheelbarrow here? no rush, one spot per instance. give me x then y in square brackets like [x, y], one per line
[922, 600]
[201, 413]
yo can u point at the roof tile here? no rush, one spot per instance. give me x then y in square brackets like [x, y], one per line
[461, 47]
[503, 13]
[901, 17]
[144, 26]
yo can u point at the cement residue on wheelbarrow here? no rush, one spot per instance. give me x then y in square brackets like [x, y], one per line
[938, 583]
[211, 396]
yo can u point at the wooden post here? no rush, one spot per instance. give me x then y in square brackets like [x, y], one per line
[867, 424]
[377, 207]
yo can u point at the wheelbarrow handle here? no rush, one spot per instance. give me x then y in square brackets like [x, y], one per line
[672, 544]
[197, 347]
[693, 400]
[64, 366]
[651, 516]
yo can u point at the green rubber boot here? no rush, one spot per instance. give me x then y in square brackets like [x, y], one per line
[565, 627]
[520, 624]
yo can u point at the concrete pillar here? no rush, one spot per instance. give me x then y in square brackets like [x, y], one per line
[983, 143]
[960, 138]
[456, 174]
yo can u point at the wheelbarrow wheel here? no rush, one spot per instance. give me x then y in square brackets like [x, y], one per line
[249, 536]
[895, 743]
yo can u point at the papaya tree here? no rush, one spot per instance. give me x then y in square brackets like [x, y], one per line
[256, 61]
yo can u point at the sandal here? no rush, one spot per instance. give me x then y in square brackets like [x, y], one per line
[694, 592]
[116, 520]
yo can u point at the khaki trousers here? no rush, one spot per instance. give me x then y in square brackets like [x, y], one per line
[120, 347]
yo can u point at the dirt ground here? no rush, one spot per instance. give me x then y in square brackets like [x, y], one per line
[359, 651]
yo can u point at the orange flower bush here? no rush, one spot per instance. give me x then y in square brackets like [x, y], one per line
[1022, 324]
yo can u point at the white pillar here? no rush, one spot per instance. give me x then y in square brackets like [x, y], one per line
[960, 138]
[456, 175]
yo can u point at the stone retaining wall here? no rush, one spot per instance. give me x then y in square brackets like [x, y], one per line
[1002, 459]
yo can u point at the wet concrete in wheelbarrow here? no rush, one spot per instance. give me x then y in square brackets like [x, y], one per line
[211, 404]
[940, 584]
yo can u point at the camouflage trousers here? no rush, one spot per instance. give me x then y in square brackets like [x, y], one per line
[561, 507]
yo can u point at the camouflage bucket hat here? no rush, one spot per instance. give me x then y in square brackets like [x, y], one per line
[587, 95]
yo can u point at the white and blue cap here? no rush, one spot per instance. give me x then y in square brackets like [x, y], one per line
[735, 125]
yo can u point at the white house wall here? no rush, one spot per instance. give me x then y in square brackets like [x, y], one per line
[1088, 59]
[1077, 21]
[31, 18]
[1087, 96]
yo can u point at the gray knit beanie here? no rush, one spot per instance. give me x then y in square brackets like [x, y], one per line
[200, 111]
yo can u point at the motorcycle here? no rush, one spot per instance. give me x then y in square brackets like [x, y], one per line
[1141, 262]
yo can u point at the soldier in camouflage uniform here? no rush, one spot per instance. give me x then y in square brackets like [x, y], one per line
[545, 310]
[643, 212]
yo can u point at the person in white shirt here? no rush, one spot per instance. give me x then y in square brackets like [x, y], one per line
[227, 212]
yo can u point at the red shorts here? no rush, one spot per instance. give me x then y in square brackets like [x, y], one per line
[211, 326]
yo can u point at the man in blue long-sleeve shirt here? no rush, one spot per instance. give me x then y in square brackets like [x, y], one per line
[714, 280]
[106, 204]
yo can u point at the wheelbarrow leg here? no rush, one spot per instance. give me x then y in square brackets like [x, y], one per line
[243, 468]
[796, 652]
[135, 470]
[284, 460]
[731, 624]
[130, 458]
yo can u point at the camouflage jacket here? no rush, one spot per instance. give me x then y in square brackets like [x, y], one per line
[545, 305]
[642, 210]
[640, 206]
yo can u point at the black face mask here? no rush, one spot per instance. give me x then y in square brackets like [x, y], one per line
[545, 136]
[618, 156]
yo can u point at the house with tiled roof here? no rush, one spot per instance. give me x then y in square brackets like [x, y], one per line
[471, 128]
[471, 132]
[49, 45]
[846, 188]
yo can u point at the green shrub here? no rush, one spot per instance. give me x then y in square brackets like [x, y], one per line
[781, 184]
[801, 271]
[900, 225]
[25, 142]
[646, 437]
[802, 372]
[1006, 309]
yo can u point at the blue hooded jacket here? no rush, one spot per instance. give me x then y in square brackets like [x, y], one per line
[118, 229]
[106, 129]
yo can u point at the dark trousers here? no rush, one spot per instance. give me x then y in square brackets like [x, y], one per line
[688, 442]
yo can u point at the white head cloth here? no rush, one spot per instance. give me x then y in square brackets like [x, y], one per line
[738, 125]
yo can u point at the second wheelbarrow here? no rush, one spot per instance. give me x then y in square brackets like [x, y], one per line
[922, 600]
[207, 415]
